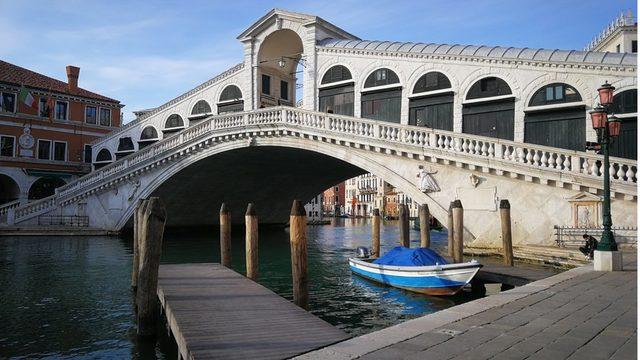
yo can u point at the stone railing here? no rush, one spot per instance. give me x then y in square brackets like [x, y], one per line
[503, 154]
[5, 208]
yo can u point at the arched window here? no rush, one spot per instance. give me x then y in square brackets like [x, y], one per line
[555, 94]
[381, 77]
[381, 104]
[230, 100]
[339, 98]
[335, 74]
[560, 126]
[125, 147]
[103, 155]
[491, 117]
[432, 81]
[43, 187]
[201, 107]
[625, 106]
[488, 87]
[148, 136]
[173, 124]
[428, 109]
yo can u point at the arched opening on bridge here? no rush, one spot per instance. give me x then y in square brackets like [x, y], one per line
[230, 100]
[103, 158]
[10, 189]
[382, 96]
[173, 124]
[148, 136]
[336, 92]
[200, 110]
[281, 65]
[268, 176]
[44, 186]
[431, 102]
[625, 106]
[125, 147]
[489, 109]
[561, 125]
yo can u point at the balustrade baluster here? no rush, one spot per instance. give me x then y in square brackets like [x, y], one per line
[476, 149]
[446, 143]
[507, 152]
[595, 168]
[630, 174]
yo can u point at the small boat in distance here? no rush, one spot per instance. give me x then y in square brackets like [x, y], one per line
[419, 270]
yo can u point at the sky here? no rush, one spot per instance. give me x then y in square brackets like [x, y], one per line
[145, 53]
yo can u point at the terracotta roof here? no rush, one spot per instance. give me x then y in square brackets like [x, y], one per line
[19, 76]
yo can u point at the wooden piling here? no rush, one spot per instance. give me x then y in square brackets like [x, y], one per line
[150, 249]
[225, 236]
[403, 217]
[425, 228]
[450, 230]
[375, 233]
[458, 230]
[298, 238]
[505, 222]
[251, 242]
[137, 223]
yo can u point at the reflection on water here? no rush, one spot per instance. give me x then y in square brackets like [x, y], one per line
[70, 297]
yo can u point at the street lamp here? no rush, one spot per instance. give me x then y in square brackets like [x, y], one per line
[607, 127]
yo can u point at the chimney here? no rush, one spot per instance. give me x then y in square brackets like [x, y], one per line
[72, 77]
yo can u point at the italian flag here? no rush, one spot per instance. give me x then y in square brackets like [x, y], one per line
[28, 99]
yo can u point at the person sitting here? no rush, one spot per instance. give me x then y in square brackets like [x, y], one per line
[589, 247]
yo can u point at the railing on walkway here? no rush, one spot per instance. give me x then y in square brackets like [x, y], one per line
[572, 236]
[4, 208]
[64, 220]
[562, 165]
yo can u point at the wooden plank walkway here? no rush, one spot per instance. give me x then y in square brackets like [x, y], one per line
[216, 313]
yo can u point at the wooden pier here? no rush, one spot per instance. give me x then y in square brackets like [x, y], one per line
[214, 312]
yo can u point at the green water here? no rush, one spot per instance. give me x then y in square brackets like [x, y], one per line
[69, 297]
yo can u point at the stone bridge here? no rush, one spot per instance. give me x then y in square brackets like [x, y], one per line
[271, 156]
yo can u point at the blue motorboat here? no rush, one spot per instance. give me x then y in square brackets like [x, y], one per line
[419, 270]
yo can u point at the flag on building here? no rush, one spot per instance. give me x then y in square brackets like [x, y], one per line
[28, 99]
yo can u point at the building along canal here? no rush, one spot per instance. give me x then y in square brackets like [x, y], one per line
[70, 296]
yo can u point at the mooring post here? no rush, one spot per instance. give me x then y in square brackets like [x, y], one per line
[152, 230]
[505, 222]
[458, 230]
[137, 229]
[450, 230]
[225, 236]
[403, 216]
[425, 235]
[298, 238]
[251, 241]
[375, 233]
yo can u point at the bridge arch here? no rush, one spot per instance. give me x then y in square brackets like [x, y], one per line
[10, 189]
[280, 58]
[348, 163]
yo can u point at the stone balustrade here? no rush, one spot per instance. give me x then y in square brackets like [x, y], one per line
[500, 156]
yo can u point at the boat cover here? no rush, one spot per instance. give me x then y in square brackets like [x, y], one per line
[402, 256]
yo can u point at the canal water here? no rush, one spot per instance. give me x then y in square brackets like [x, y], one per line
[69, 297]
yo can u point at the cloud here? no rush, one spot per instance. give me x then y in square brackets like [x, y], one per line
[103, 33]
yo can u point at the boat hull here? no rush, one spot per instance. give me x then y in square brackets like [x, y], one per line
[430, 280]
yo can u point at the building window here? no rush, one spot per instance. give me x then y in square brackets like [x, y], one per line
[44, 149]
[90, 114]
[618, 48]
[634, 46]
[266, 84]
[59, 151]
[7, 145]
[43, 108]
[8, 103]
[105, 117]
[87, 153]
[335, 74]
[555, 93]
[61, 110]
[201, 107]
[174, 121]
[284, 90]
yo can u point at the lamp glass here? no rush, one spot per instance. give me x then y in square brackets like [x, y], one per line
[598, 118]
[605, 92]
[614, 126]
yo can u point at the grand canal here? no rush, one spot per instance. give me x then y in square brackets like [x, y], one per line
[69, 296]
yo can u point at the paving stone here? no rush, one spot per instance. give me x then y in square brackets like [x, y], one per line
[428, 340]
[627, 351]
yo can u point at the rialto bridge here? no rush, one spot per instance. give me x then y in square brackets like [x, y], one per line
[271, 156]
[488, 123]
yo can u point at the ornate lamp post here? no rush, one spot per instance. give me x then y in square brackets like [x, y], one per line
[606, 257]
